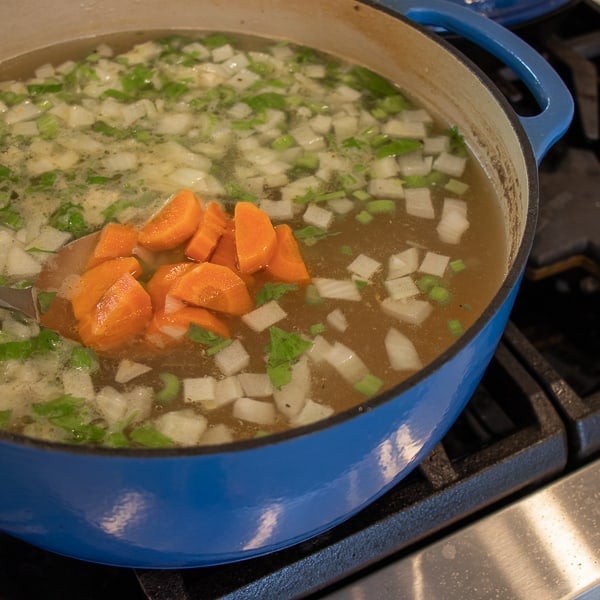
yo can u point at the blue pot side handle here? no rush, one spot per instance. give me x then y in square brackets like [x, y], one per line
[548, 89]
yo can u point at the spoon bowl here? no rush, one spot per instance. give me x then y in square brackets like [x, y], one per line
[60, 268]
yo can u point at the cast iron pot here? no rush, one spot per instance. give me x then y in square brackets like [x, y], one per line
[186, 508]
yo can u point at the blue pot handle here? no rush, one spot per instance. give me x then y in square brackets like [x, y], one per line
[549, 91]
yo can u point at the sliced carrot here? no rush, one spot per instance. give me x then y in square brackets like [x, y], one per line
[214, 287]
[94, 282]
[287, 264]
[226, 255]
[165, 329]
[255, 238]
[121, 314]
[204, 241]
[174, 224]
[116, 240]
[159, 284]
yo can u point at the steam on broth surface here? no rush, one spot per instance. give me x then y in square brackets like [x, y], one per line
[397, 225]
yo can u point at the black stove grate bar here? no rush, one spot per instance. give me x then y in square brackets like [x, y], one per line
[442, 491]
[582, 414]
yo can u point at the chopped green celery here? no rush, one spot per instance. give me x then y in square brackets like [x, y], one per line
[45, 182]
[44, 300]
[261, 433]
[83, 358]
[457, 265]
[5, 418]
[81, 74]
[457, 142]
[50, 87]
[5, 173]
[215, 40]
[234, 190]
[136, 79]
[246, 124]
[364, 217]
[361, 195]
[316, 329]
[454, 186]
[150, 438]
[379, 114]
[379, 140]
[311, 234]
[211, 340]
[306, 55]
[466, 306]
[274, 291]
[376, 207]
[46, 340]
[361, 284]
[432, 179]
[261, 102]
[116, 94]
[95, 179]
[11, 98]
[69, 217]
[397, 147]
[427, 282]
[11, 218]
[171, 384]
[117, 439]
[48, 126]
[68, 413]
[393, 104]
[362, 78]
[353, 142]
[307, 160]
[260, 68]
[108, 130]
[346, 250]
[455, 327]
[311, 295]
[439, 294]
[283, 351]
[369, 385]
[283, 142]
[173, 90]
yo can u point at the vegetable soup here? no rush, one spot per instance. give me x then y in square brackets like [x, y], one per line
[283, 235]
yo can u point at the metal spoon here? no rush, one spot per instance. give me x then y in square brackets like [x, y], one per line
[69, 260]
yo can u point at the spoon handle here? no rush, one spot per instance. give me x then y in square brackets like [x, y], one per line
[21, 299]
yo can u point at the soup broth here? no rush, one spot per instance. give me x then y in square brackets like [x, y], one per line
[396, 223]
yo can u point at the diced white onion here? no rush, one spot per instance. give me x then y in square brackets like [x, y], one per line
[130, 369]
[386, 188]
[233, 358]
[403, 263]
[450, 164]
[173, 123]
[321, 124]
[415, 163]
[184, 427]
[78, 383]
[319, 349]
[436, 145]
[199, 389]
[20, 263]
[255, 385]
[364, 266]
[413, 311]
[382, 168]
[216, 434]
[346, 362]
[227, 390]
[402, 354]
[243, 79]
[418, 203]
[21, 112]
[254, 411]
[401, 287]
[264, 316]
[341, 206]
[340, 289]
[318, 216]
[120, 161]
[337, 319]
[306, 137]
[50, 239]
[291, 398]
[434, 264]
[311, 413]
[454, 221]
[404, 129]
[278, 210]
[418, 115]
[344, 126]
[112, 405]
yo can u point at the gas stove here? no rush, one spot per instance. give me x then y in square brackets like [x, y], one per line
[507, 505]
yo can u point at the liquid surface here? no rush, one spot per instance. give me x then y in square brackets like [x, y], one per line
[109, 134]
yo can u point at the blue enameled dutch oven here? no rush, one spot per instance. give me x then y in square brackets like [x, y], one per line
[186, 508]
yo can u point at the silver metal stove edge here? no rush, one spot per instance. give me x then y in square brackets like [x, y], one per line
[546, 545]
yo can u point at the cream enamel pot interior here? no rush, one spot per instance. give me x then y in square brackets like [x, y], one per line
[187, 508]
